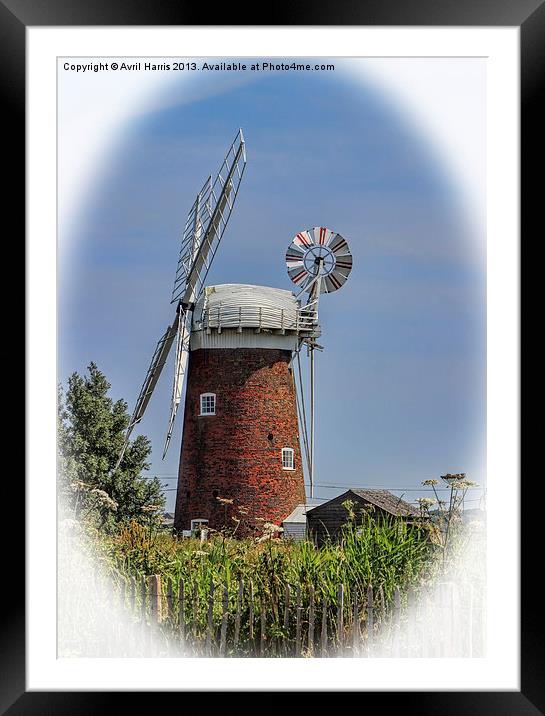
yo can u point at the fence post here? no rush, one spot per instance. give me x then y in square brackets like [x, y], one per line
[370, 621]
[430, 621]
[323, 635]
[155, 597]
[224, 610]
[143, 625]
[397, 623]
[143, 592]
[155, 609]
[298, 623]
[412, 643]
[237, 618]
[195, 611]
[210, 621]
[286, 617]
[165, 604]
[169, 613]
[251, 615]
[132, 596]
[181, 610]
[340, 625]
[262, 635]
[311, 620]
[355, 625]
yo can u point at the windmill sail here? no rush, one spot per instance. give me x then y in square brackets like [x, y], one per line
[208, 217]
[191, 238]
[203, 231]
[180, 367]
[152, 376]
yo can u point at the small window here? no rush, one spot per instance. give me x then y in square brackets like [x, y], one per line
[199, 528]
[208, 404]
[199, 524]
[288, 462]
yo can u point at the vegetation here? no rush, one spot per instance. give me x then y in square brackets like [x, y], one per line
[383, 555]
[387, 554]
[113, 512]
[90, 437]
[447, 517]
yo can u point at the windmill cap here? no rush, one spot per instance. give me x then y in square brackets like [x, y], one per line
[253, 306]
[242, 308]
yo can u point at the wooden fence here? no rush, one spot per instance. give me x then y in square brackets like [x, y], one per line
[160, 618]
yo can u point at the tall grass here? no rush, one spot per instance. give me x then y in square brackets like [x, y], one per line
[384, 555]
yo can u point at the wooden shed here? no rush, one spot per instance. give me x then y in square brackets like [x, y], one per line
[327, 519]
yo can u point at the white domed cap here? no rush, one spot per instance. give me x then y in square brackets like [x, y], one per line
[231, 305]
[244, 315]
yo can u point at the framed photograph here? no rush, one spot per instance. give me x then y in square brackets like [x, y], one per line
[368, 184]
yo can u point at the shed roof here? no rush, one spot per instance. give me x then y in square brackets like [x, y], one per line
[383, 499]
[299, 514]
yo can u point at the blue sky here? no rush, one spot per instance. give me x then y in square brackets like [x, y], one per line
[401, 382]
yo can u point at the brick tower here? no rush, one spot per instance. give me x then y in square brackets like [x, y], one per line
[240, 434]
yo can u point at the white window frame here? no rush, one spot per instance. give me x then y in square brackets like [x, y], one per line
[287, 451]
[207, 395]
[199, 528]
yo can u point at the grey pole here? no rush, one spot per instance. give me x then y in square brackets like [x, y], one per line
[314, 295]
[311, 421]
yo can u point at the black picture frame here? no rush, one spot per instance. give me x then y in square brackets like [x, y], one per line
[529, 15]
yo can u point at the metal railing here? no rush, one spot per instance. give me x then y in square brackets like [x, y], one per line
[257, 317]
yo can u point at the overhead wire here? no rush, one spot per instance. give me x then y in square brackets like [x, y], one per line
[345, 486]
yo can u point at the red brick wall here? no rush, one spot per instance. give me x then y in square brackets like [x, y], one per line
[237, 453]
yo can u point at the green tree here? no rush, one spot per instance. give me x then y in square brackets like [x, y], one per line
[90, 437]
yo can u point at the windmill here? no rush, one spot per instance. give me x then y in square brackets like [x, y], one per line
[236, 347]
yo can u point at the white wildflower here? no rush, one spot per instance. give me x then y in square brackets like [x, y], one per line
[426, 502]
[80, 485]
[150, 508]
[462, 484]
[270, 527]
[105, 499]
